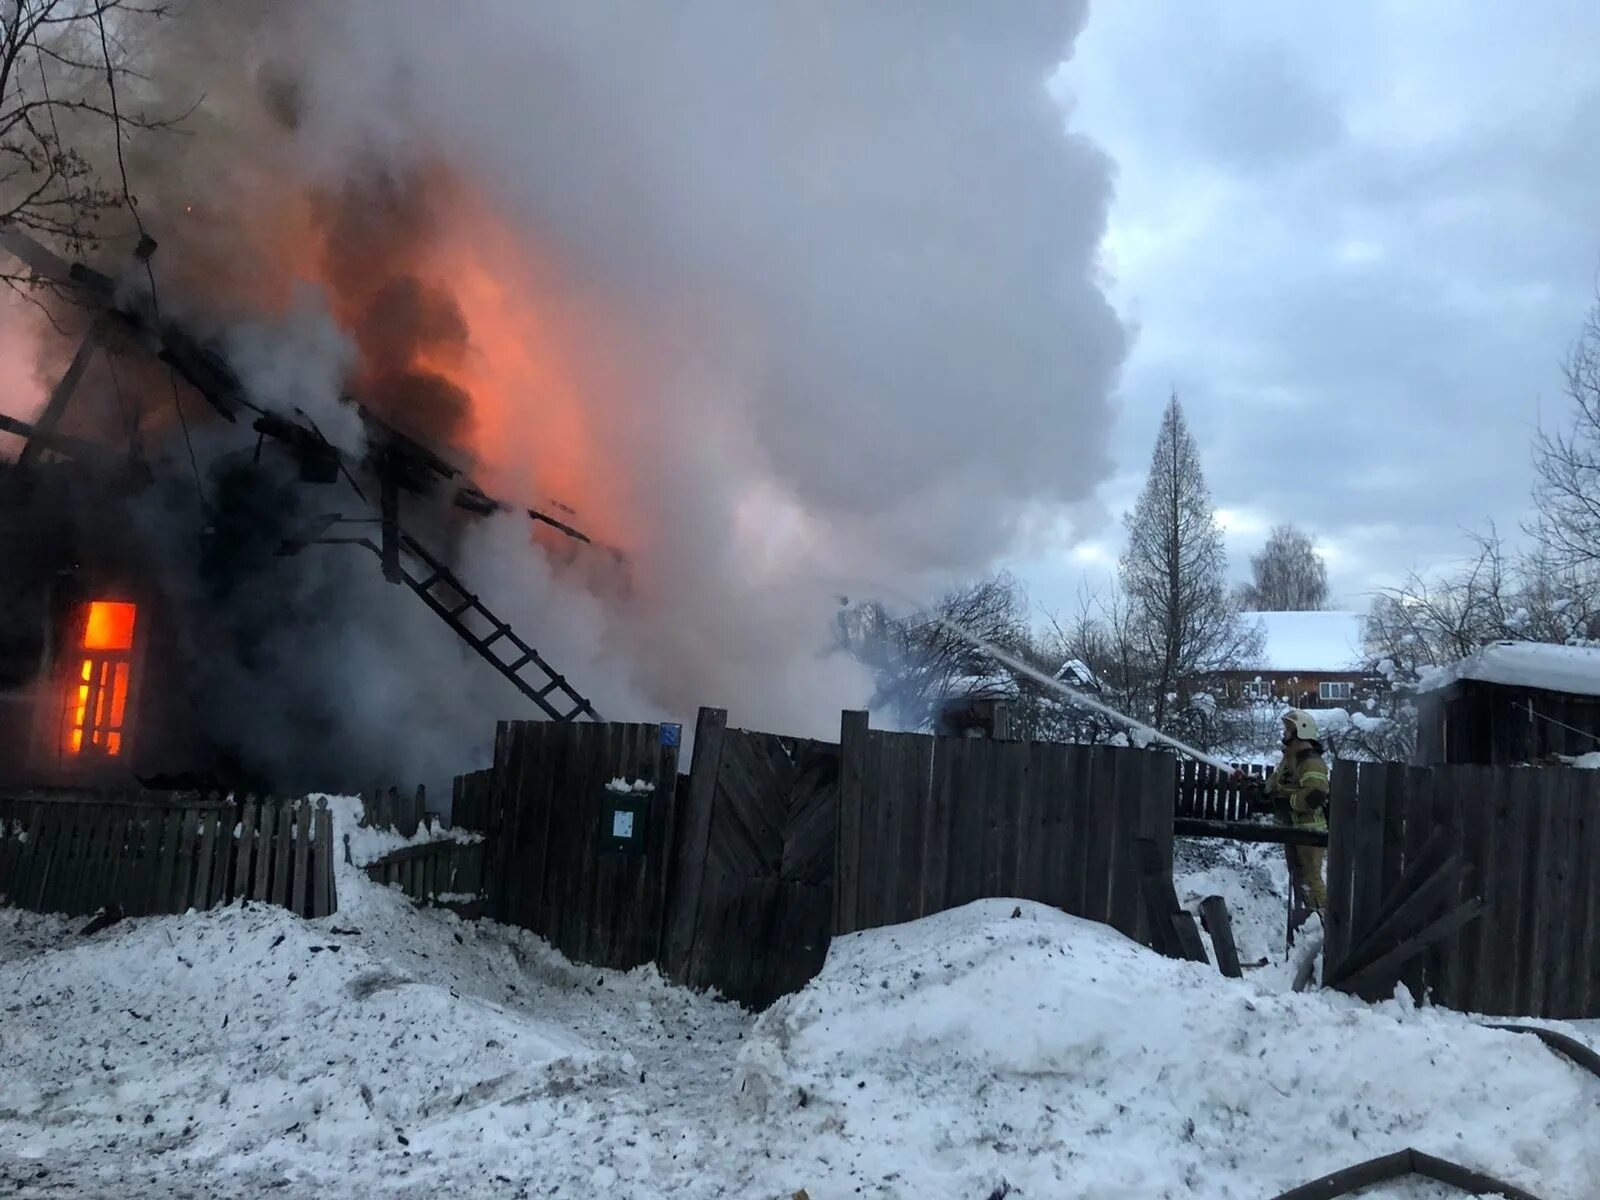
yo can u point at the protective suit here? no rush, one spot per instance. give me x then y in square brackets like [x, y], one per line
[1298, 788]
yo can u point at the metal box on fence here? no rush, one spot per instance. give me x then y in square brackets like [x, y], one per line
[624, 815]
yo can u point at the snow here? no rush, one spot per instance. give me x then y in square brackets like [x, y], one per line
[1311, 641]
[1590, 761]
[395, 1050]
[368, 844]
[1543, 665]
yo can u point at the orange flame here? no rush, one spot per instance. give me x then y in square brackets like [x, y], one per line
[97, 699]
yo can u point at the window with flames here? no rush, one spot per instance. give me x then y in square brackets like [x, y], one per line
[97, 696]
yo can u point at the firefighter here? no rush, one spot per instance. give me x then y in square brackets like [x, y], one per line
[1299, 784]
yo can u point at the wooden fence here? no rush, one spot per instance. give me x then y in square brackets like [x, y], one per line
[1206, 793]
[751, 904]
[927, 824]
[551, 867]
[446, 872]
[1479, 886]
[390, 808]
[774, 844]
[146, 855]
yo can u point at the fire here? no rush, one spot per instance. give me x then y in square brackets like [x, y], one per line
[97, 699]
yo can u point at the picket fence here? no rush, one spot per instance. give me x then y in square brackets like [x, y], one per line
[144, 854]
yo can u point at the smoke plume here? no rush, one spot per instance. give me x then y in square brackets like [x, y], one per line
[773, 296]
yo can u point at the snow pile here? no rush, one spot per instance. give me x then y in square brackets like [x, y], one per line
[396, 1050]
[1543, 665]
[368, 844]
[1311, 641]
[976, 1049]
[1590, 761]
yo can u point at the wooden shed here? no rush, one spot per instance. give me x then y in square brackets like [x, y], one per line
[1511, 702]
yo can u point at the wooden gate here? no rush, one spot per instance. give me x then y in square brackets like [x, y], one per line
[1476, 886]
[551, 867]
[752, 893]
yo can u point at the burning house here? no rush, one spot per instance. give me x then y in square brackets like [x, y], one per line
[134, 619]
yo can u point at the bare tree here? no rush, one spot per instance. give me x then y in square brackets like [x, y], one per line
[1182, 621]
[65, 73]
[1290, 575]
[1567, 462]
[921, 659]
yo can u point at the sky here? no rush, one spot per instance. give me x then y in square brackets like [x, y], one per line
[1357, 239]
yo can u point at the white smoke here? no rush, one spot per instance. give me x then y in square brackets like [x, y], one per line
[846, 257]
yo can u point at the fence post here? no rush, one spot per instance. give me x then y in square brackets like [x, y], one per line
[688, 874]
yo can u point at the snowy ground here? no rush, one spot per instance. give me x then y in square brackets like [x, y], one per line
[395, 1051]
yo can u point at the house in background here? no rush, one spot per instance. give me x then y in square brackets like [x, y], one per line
[1309, 660]
[1511, 702]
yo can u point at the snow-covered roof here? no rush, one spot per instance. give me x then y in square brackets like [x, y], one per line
[1542, 665]
[1311, 641]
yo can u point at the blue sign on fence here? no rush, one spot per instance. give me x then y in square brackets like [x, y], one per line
[672, 735]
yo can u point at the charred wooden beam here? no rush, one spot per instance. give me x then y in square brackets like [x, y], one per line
[389, 541]
[61, 443]
[1249, 831]
[59, 395]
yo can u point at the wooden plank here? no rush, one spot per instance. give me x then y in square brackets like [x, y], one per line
[184, 860]
[1032, 833]
[208, 848]
[282, 854]
[1053, 785]
[1502, 960]
[166, 866]
[910, 848]
[1250, 831]
[1366, 878]
[1122, 895]
[142, 891]
[1214, 916]
[121, 861]
[1188, 936]
[1550, 872]
[222, 860]
[322, 870]
[1417, 909]
[243, 848]
[1586, 962]
[1109, 768]
[934, 878]
[67, 871]
[1374, 980]
[1010, 759]
[1418, 823]
[1439, 964]
[969, 817]
[22, 890]
[300, 883]
[553, 797]
[265, 843]
[853, 749]
[1083, 762]
[1474, 796]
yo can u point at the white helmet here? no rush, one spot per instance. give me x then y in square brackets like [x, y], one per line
[1301, 725]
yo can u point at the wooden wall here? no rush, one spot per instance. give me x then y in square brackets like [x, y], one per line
[927, 824]
[1489, 724]
[545, 869]
[1527, 841]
